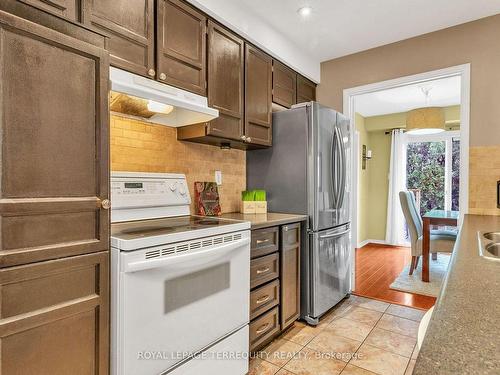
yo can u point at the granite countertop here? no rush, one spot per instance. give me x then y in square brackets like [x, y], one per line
[463, 335]
[265, 220]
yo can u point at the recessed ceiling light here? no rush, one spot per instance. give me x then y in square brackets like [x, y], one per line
[304, 11]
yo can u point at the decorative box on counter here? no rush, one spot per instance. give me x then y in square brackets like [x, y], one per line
[253, 202]
[206, 197]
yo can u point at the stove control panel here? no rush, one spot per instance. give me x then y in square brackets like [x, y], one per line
[153, 194]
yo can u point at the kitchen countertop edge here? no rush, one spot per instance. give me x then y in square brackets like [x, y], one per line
[463, 335]
[271, 219]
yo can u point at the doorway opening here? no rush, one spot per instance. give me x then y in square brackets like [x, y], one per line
[387, 159]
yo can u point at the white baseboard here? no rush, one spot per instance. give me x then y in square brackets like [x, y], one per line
[366, 242]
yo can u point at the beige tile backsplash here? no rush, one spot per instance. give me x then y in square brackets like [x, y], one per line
[484, 172]
[141, 147]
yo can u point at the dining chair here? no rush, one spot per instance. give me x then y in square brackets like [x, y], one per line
[441, 240]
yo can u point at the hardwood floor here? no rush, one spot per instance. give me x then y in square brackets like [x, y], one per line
[376, 268]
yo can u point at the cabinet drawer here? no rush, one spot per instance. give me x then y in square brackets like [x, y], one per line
[264, 328]
[264, 269]
[263, 298]
[264, 241]
[291, 234]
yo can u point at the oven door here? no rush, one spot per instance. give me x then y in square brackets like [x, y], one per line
[174, 306]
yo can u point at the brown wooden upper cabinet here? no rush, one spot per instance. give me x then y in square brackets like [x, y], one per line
[69, 9]
[181, 46]
[129, 26]
[284, 85]
[306, 90]
[258, 96]
[54, 161]
[225, 82]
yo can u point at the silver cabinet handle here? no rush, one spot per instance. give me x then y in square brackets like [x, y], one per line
[151, 72]
[249, 139]
[263, 299]
[262, 328]
[262, 270]
[163, 76]
[243, 138]
[285, 229]
[262, 241]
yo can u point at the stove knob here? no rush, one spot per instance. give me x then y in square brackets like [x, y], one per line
[173, 186]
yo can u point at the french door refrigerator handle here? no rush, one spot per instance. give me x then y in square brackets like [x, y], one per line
[334, 234]
[334, 169]
[343, 167]
[320, 167]
[339, 166]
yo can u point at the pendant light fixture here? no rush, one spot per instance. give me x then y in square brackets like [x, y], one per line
[425, 120]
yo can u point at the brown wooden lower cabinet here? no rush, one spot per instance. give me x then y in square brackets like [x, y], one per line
[274, 282]
[290, 274]
[54, 317]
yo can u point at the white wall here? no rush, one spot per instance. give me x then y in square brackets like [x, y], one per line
[261, 34]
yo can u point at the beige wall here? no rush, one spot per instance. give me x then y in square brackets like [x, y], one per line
[378, 184]
[476, 43]
[373, 183]
[141, 147]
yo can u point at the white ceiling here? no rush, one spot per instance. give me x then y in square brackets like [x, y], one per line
[341, 27]
[443, 92]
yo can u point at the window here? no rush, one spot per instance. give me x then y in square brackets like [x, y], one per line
[433, 170]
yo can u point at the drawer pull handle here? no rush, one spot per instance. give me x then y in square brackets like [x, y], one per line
[262, 270]
[262, 328]
[262, 241]
[263, 299]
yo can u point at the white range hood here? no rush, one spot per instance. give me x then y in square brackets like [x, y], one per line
[152, 101]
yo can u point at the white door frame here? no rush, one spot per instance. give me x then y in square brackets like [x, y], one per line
[349, 94]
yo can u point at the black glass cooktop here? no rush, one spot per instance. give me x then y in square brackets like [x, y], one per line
[156, 227]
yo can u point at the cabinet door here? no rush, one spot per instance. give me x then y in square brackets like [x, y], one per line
[69, 9]
[284, 85]
[129, 26]
[55, 140]
[290, 274]
[225, 82]
[258, 96]
[181, 46]
[54, 317]
[306, 90]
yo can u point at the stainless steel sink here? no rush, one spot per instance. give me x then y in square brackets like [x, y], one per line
[489, 245]
[493, 249]
[492, 236]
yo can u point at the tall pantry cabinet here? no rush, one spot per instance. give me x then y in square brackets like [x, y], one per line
[54, 207]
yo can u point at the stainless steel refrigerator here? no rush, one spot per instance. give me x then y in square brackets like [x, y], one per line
[308, 171]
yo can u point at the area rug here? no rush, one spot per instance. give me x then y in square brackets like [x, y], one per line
[414, 283]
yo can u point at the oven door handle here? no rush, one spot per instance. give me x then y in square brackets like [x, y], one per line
[179, 260]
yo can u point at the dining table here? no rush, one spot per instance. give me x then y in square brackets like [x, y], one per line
[430, 218]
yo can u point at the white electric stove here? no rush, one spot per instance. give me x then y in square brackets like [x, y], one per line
[179, 283]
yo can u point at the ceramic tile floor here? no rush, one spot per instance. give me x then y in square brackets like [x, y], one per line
[360, 336]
